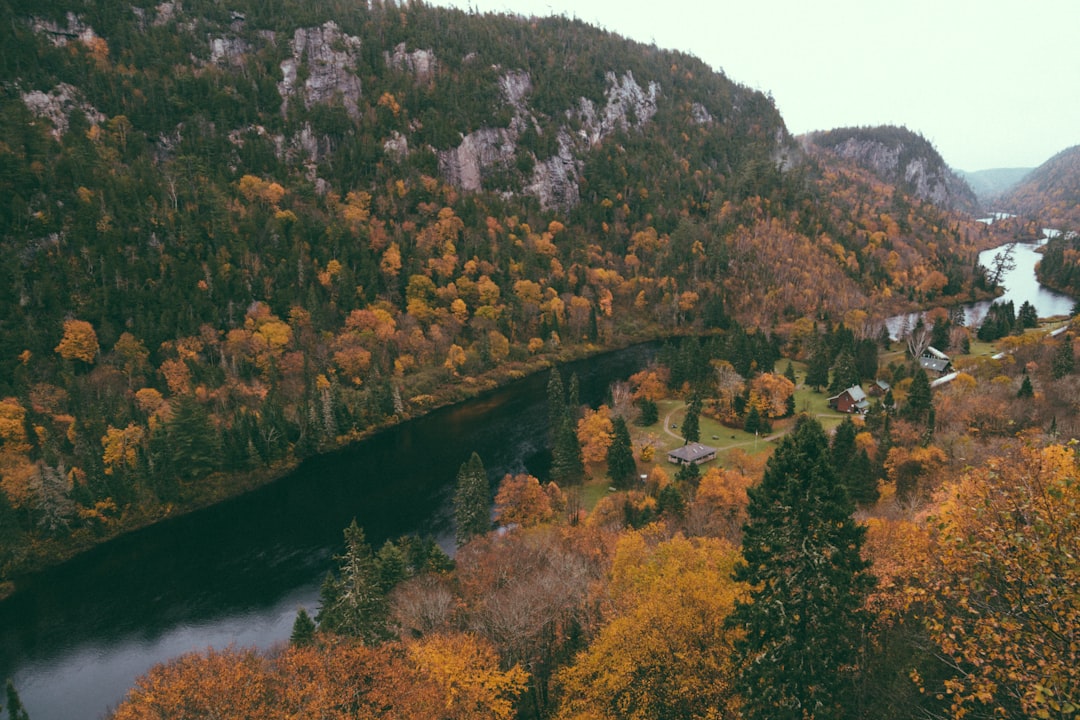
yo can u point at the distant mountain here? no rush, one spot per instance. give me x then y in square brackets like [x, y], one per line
[989, 184]
[1050, 193]
[903, 158]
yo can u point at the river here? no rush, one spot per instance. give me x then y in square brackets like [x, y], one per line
[1020, 285]
[75, 637]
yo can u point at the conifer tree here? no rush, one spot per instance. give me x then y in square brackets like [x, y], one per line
[845, 374]
[1064, 363]
[472, 500]
[918, 403]
[573, 396]
[1026, 391]
[789, 373]
[620, 458]
[15, 708]
[303, 629]
[352, 602]
[817, 373]
[691, 424]
[649, 412]
[752, 424]
[805, 619]
[194, 445]
[567, 464]
[556, 403]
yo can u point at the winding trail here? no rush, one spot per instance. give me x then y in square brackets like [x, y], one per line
[767, 438]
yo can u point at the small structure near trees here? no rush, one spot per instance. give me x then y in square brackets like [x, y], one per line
[691, 453]
[852, 400]
[935, 361]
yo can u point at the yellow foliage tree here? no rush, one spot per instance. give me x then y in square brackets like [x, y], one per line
[666, 652]
[595, 433]
[1004, 610]
[79, 341]
[466, 669]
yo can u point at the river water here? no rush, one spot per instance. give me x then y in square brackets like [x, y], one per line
[1020, 285]
[74, 638]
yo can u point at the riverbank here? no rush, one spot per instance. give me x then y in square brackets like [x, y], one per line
[217, 488]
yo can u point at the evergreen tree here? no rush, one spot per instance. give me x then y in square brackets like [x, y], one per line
[556, 403]
[1026, 391]
[472, 500]
[844, 373]
[817, 372]
[649, 412]
[194, 445]
[852, 465]
[1064, 363]
[789, 373]
[567, 464]
[752, 424]
[15, 708]
[620, 457]
[939, 334]
[866, 359]
[689, 474]
[805, 621]
[919, 400]
[392, 565]
[352, 602]
[691, 424]
[1027, 316]
[573, 396]
[303, 629]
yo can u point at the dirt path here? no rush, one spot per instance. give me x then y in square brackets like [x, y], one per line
[765, 438]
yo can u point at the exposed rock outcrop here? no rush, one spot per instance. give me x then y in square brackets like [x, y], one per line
[61, 35]
[420, 63]
[57, 104]
[330, 57]
[903, 158]
[553, 180]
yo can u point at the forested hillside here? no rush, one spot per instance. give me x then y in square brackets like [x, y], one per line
[237, 234]
[1050, 192]
[903, 158]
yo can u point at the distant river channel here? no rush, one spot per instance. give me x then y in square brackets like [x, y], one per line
[74, 638]
[1020, 285]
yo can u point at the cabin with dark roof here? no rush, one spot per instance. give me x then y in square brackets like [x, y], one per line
[936, 362]
[695, 453]
[852, 400]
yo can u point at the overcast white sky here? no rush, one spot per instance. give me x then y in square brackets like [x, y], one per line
[991, 83]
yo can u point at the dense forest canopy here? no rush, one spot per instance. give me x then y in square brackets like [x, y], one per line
[238, 234]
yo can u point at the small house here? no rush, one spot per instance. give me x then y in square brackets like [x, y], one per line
[878, 388]
[936, 362]
[695, 453]
[852, 400]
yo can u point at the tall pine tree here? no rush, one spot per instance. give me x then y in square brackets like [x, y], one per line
[805, 620]
[691, 424]
[352, 601]
[472, 500]
[620, 456]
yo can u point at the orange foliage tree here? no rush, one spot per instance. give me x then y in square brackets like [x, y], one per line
[1004, 609]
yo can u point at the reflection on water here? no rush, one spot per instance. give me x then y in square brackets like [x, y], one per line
[75, 637]
[1020, 285]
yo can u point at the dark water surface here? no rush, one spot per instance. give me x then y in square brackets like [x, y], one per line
[74, 638]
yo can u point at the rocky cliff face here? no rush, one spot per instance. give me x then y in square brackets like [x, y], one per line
[903, 158]
[330, 57]
[553, 180]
